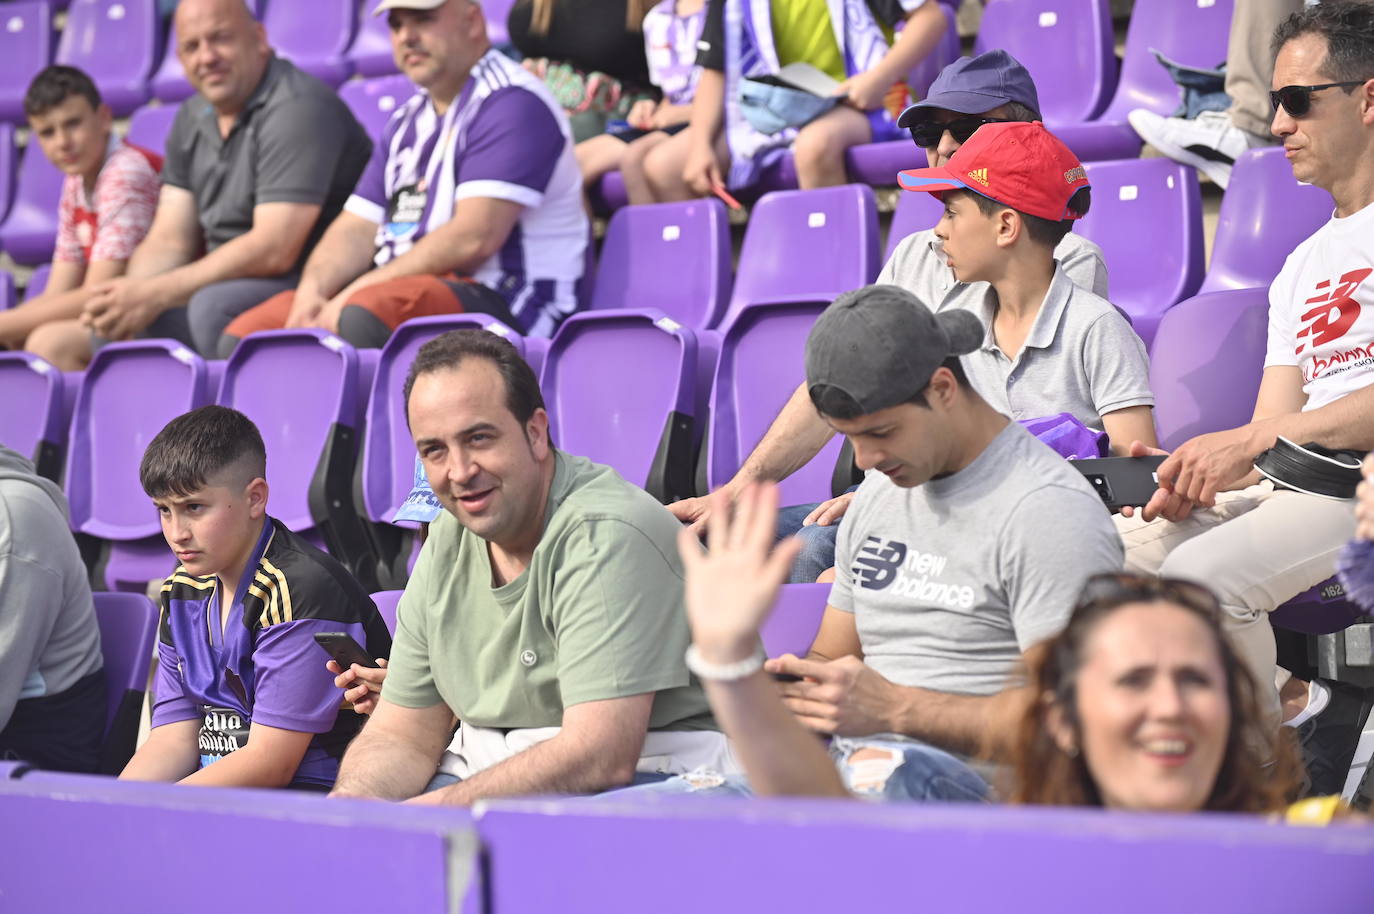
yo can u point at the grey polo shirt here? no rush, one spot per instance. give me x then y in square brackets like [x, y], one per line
[1081, 357]
[294, 142]
[918, 265]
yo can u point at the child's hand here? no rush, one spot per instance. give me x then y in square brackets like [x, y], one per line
[361, 684]
[864, 91]
[641, 116]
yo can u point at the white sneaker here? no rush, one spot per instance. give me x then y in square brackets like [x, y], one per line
[1208, 142]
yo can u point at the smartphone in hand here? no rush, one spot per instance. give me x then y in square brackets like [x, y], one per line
[344, 650]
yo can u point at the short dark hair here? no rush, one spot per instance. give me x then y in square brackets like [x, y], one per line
[1042, 231]
[1348, 28]
[836, 403]
[447, 351]
[1019, 112]
[54, 85]
[197, 446]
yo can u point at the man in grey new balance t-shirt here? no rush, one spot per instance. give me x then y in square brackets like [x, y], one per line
[970, 92]
[966, 544]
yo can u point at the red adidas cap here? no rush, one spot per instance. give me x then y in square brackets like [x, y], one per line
[1020, 165]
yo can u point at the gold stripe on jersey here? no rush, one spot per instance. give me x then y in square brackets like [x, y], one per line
[283, 590]
[182, 577]
[268, 601]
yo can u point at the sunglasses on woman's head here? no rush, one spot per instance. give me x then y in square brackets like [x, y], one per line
[1297, 100]
[927, 134]
[1120, 589]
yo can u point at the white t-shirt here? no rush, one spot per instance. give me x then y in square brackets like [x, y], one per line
[1321, 310]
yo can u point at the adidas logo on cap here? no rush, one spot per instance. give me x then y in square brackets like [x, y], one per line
[980, 175]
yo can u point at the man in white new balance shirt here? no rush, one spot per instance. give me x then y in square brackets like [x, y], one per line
[472, 200]
[1213, 520]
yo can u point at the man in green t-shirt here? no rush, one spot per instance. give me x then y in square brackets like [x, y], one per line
[545, 611]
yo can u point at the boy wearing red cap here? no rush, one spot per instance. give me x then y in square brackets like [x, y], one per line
[1011, 193]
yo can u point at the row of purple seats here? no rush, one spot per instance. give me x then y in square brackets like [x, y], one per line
[121, 44]
[799, 246]
[615, 855]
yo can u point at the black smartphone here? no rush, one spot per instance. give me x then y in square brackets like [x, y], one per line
[344, 649]
[787, 677]
[1121, 481]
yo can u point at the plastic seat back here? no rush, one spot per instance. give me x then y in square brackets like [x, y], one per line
[373, 100]
[130, 391]
[1264, 216]
[1206, 363]
[149, 126]
[807, 245]
[26, 41]
[915, 212]
[32, 411]
[315, 36]
[646, 245]
[1153, 199]
[761, 364]
[386, 601]
[796, 617]
[30, 229]
[1066, 45]
[128, 628]
[117, 44]
[621, 390]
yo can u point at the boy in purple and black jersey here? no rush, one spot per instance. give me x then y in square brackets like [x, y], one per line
[241, 697]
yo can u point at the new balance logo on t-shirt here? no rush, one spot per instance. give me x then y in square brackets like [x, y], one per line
[888, 563]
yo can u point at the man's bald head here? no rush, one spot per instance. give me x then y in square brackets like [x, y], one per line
[223, 50]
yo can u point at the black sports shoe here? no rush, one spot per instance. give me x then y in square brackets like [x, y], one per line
[1329, 740]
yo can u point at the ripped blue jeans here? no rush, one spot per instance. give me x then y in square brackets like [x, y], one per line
[890, 769]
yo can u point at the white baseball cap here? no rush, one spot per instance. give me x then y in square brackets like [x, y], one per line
[406, 5]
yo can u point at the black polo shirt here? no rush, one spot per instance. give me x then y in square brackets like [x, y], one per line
[294, 142]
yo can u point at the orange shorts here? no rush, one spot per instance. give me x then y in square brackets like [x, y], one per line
[393, 302]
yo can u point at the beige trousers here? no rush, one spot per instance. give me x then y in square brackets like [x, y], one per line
[1250, 61]
[1258, 548]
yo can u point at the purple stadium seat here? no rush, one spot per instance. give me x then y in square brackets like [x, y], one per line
[9, 164]
[32, 411]
[1265, 214]
[796, 617]
[386, 601]
[689, 242]
[915, 212]
[1067, 45]
[149, 126]
[314, 36]
[7, 299]
[30, 230]
[38, 281]
[371, 50]
[130, 391]
[621, 390]
[304, 391]
[117, 43]
[388, 451]
[128, 625]
[1153, 199]
[169, 83]
[806, 245]
[1206, 362]
[1192, 32]
[878, 163]
[373, 100]
[26, 40]
[761, 363]
[497, 12]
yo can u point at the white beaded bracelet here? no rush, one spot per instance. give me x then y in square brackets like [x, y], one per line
[724, 672]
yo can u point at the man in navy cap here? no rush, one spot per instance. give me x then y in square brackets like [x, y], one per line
[990, 88]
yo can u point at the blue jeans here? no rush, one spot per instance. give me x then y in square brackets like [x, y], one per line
[818, 543]
[900, 771]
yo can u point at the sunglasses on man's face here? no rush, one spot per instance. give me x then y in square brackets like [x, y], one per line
[927, 134]
[1297, 100]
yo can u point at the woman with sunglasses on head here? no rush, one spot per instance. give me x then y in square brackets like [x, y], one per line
[1139, 704]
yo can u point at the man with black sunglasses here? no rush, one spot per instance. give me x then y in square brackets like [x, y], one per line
[1214, 519]
[991, 87]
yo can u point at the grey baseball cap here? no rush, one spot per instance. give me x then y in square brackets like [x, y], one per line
[881, 344]
[406, 5]
[972, 85]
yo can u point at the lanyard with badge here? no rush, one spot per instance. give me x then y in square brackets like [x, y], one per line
[406, 207]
